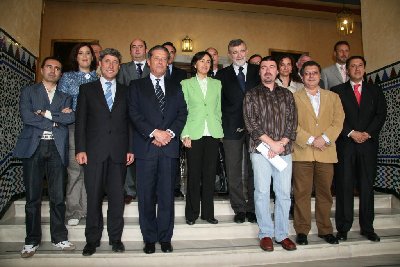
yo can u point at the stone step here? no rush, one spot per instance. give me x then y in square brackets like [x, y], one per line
[221, 206]
[221, 252]
[13, 229]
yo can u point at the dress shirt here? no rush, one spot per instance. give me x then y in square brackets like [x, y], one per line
[162, 85]
[315, 103]
[272, 113]
[113, 86]
[292, 87]
[141, 62]
[50, 93]
[161, 82]
[169, 69]
[70, 82]
[360, 90]
[236, 69]
[203, 87]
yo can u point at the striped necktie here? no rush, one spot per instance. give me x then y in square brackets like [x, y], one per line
[160, 95]
[108, 95]
[139, 69]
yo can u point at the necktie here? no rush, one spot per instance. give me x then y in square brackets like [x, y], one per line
[241, 79]
[108, 95]
[160, 95]
[168, 73]
[343, 72]
[139, 69]
[357, 93]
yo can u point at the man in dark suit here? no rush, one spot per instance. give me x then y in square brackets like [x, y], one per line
[128, 72]
[158, 112]
[357, 146]
[43, 148]
[103, 144]
[236, 79]
[176, 75]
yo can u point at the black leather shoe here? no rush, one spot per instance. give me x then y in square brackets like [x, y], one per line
[117, 246]
[301, 239]
[211, 220]
[251, 217]
[166, 247]
[372, 236]
[341, 236]
[190, 222]
[149, 248]
[239, 217]
[89, 249]
[329, 238]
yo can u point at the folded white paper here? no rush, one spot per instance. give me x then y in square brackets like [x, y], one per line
[276, 161]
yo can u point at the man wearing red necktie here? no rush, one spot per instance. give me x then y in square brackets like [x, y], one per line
[357, 148]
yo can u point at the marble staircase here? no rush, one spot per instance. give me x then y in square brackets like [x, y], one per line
[202, 244]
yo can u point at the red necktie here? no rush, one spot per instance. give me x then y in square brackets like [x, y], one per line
[357, 93]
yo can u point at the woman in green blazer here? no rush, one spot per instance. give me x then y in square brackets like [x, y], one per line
[201, 136]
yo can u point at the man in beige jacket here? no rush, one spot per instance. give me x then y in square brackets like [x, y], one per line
[320, 121]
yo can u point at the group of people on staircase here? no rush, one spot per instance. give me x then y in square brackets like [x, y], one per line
[116, 129]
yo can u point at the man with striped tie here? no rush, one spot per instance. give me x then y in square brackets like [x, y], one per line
[104, 145]
[158, 112]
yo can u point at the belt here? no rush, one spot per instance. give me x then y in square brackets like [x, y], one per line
[47, 137]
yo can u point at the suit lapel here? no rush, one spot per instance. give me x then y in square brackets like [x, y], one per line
[56, 100]
[323, 102]
[337, 73]
[42, 93]
[118, 96]
[100, 94]
[306, 100]
[350, 95]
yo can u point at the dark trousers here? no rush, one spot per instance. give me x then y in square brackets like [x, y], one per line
[102, 178]
[155, 179]
[307, 174]
[46, 161]
[202, 161]
[234, 159]
[357, 166]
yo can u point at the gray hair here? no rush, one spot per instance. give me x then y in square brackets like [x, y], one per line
[236, 42]
[112, 52]
[157, 47]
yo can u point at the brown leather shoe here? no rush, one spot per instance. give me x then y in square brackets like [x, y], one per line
[287, 244]
[266, 244]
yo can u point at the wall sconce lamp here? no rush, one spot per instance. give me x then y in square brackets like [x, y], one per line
[187, 44]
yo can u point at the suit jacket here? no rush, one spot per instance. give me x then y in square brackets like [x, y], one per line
[177, 75]
[331, 76]
[202, 108]
[32, 99]
[369, 117]
[128, 73]
[232, 99]
[329, 122]
[99, 132]
[146, 116]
